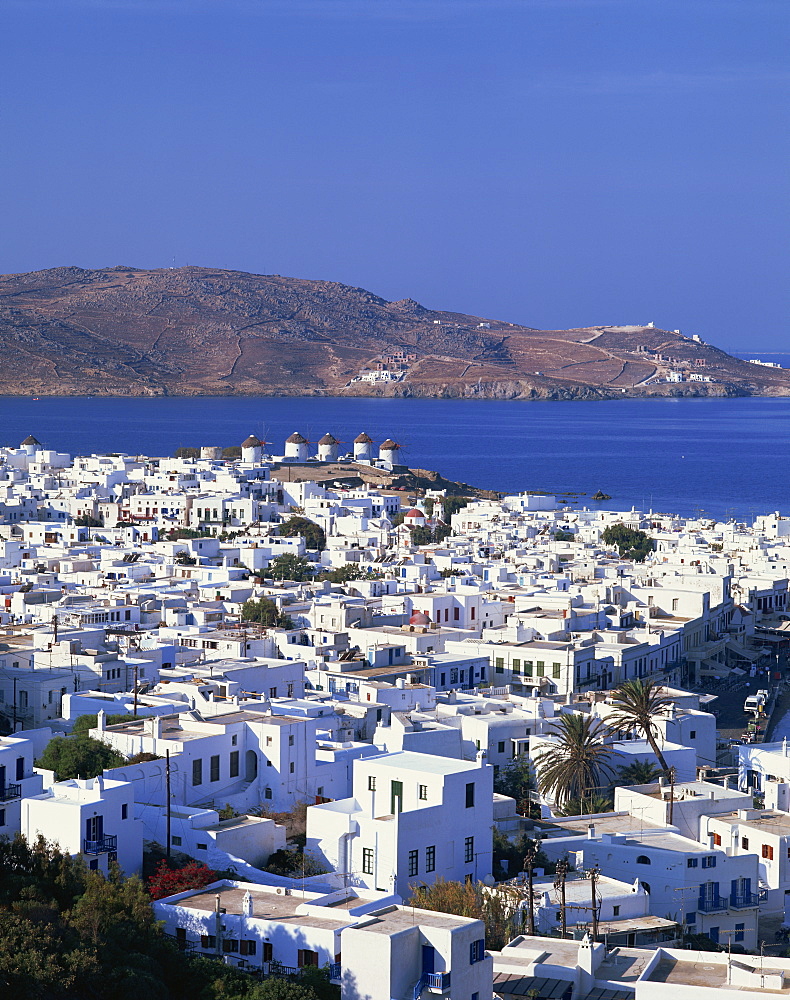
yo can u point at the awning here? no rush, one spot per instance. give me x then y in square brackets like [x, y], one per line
[739, 650]
[714, 668]
[539, 987]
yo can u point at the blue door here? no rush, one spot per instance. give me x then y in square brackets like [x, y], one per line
[428, 959]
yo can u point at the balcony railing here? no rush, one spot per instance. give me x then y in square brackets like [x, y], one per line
[437, 981]
[714, 904]
[105, 845]
[743, 901]
[334, 970]
[10, 792]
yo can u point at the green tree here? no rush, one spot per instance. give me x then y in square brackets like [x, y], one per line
[184, 452]
[293, 863]
[265, 612]
[78, 756]
[513, 853]
[630, 542]
[313, 534]
[232, 452]
[579, 763]
[348, 573]
[471, 899]
[88, 521]
[85, 722]
[585, 806]
[641, 772]
[291, 567]
[516, 780]
[636, 705]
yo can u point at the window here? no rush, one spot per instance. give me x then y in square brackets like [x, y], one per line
[709, 861]
[267, 793]
[499, 665]
[430, 858]
[528, 668]
[233, 741]
[555, 670]
[371, 783]
[422, 792]
[477, 951]
[197, 772]
[2, 817]
[691, 918]
[367, 860]
[643, 859]
[691, 863]
[290, 741]
[739, 931]
[414, 862]
[717, 840]
[693, 734]
[615, 911]
[234, 763]
[202, 847]
[744, 843]
[124, 811]
[768, 852]
[247, 947]
[175, 841]
[268, 951]
[20, 768]
[516, 666]
[291, 767]
[214, 768]
[470, 795]
[469, 849]
[273, 694]
[306, 957]
[208, 941]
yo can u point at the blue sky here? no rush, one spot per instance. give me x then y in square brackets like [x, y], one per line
[550, 162]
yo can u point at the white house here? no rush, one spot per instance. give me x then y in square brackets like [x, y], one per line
[412, 818]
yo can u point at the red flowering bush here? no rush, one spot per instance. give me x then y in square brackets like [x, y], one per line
[167, 881]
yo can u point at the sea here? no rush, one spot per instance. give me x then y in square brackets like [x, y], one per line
[727, 458]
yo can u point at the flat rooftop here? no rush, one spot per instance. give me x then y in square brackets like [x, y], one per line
[270, 905]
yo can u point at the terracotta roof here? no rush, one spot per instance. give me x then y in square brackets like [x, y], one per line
[414, 512]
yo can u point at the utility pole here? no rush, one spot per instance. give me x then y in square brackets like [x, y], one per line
[594, 873]
[135, 689]
[559, 883]
[167, 809]
[529, 865]
[671, 794]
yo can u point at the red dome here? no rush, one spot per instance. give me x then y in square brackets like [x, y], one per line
[419, 618]
[414, 512]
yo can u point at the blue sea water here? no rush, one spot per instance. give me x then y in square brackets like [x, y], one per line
[728, 457]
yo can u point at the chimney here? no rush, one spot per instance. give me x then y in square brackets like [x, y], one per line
[591, 831]
[480, 756]
[100, 717]
[246, 904]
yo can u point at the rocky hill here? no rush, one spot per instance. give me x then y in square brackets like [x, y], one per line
[202, 331]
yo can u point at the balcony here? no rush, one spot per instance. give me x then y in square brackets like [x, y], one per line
[437, 982]
[334, 970]
[716, 904]
[105, 845]
[10, 792]
[743, 901]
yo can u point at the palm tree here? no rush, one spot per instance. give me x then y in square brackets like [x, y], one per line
[641, 772]
[589, 804]
[578, 764]
[636, 704]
